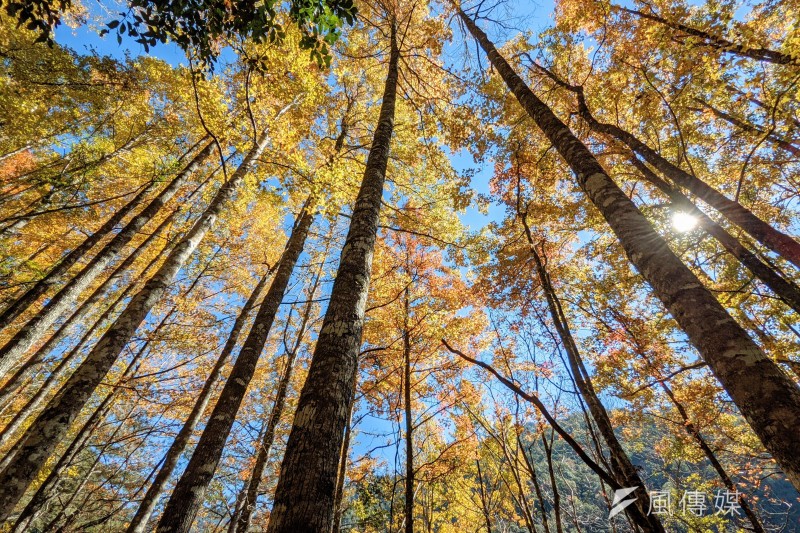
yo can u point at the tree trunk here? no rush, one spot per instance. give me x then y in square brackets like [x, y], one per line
[304, 498]
[37, 326]
[188, 494]
[621, 465]
[784, 289]
[86, 306]
[718, 43]
[246, 502]
[765, 396]
[29, 297]
[775, 240]
[409, 436]
[40, 439]
[61, 369]
[49, 488]
[169, 462]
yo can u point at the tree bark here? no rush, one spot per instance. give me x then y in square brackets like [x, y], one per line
[169, 462]
[49, 488]
[719, 43]
[784, 289]
[304, 498]
[246, 502]
[40, 439]
[37, 326]
[766, 397]
[188, 494]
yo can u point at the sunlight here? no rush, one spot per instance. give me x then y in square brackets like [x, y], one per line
[683, 222]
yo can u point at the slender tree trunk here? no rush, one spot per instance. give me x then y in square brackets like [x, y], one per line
[86, 306]
[784, 289]
[487, 516]
[548, 450]
[719, 43]
[169, 462]
[40, 439]
[246, 502]
[409, 436]
[36, 327]
[783, 144]
[188, 494]
[304, 498]
[775, 240]
[30, 296]
[49, 488]
[621, 465]
[61, 369]
[531, 468]
[765, 396]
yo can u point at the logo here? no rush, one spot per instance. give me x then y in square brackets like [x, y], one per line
[620, 503]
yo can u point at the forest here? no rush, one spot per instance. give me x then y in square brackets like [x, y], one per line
[444, 266]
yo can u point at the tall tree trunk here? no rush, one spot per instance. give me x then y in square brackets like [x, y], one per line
[49, 488]
[621, 465]
[775, 240]
[63, 366]
[304, 497]
[537, 486]
[548, 451]
[40, 439]
[240, 522]
[188, 494]
[169, 462]
[718, 43]
[29, 297]
[784, 289]
[765, 396]
[409, 436]
[86, 306]
[37, 326]
[338, 498]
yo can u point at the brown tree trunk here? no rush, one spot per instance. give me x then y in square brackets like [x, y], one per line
[784, 289]
[621, 465]
[188, 494]
[719, 43]
[766, 397]
[246, 502]
[37, 326]
[40, 439]
[304, 498]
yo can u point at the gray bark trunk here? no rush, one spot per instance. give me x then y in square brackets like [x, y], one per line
[169, 462]
[37, 326]
[188, 494]
[40, 439]
[783, 288]
[246, 502]
[766, 397]
[304, 498]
